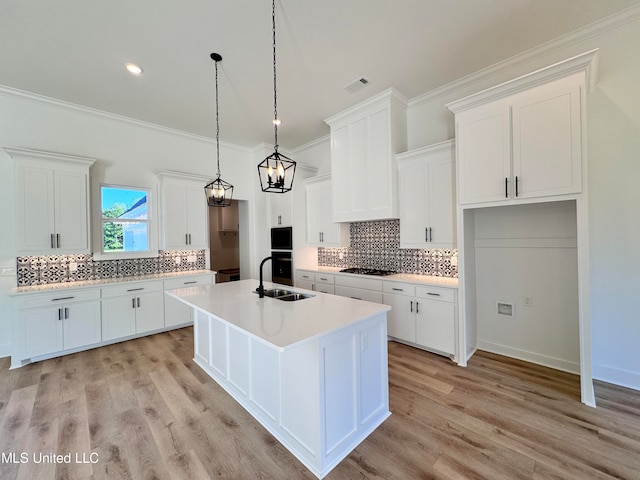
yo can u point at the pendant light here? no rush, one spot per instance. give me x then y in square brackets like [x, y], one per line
[276, 172]
[218, 192]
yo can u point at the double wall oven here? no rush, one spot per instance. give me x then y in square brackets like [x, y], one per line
[282, 255]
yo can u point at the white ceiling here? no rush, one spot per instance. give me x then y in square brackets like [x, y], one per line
[74, 50]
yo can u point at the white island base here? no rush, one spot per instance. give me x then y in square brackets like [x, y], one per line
[320, 396]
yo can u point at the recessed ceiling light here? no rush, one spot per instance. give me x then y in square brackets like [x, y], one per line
[133, 68]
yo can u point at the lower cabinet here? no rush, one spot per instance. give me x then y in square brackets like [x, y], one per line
[131, 309]
[422, 316]
[49, 323]
[175, 312]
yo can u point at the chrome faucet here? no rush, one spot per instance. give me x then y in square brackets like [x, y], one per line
[260, 288]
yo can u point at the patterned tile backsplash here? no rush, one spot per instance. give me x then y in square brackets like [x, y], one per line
[43, 270]
[377, 245]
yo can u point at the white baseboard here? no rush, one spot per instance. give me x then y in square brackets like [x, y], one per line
[617, 376]
[552, 362]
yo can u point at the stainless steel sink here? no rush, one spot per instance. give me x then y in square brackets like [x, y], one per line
[293, 297]
[285, 295]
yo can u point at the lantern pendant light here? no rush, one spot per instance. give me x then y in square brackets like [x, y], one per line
[276, 172]
[219, 193]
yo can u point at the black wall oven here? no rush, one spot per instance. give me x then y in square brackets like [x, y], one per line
[282, 268]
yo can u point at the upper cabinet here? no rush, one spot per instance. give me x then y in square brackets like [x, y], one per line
[184, 211]
[52, 202]
[364, 142]
[321, 230]
[280, 209]
[523, 139]
[426, 177]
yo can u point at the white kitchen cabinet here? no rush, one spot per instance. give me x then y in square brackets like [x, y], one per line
[317, 281]
[512, 147]
[426, 179]
[50, 323]
[364, 142]
[423, 316]
[52, 202]
[321, 230]
[176, 312]
[280, 209]
[132, 309]
[184, 211]
[359, 288]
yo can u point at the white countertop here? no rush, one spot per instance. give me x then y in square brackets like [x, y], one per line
[397, 277]
[105, 281]
[279, 323]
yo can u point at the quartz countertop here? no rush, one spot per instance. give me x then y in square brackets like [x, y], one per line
[279, 323]
[105, 281]
[396, 277]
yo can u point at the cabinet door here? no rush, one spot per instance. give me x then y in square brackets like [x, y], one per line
[547, 156]
[175, 218]
[43, 330]
[118, 317]
[35, 210]
[484, 154]
[82, 324]
[414, 189]
[197, 218]
[149, 311]
[342, 182]
[314, 212]
[401, 320]
[280, 210]
[441, 203]
[435, 328]
[71, 212]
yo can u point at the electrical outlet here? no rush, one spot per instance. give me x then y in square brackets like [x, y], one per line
[454, 261]
[527, 301]
[178, 260]
[191, 258]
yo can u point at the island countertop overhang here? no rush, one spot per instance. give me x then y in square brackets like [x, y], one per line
[278, 323]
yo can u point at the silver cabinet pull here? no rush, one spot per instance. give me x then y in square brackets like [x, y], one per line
[57, 240]
[133, 303]
[53, 241]
[321, 278]
[138, 302]
[516, 185]
[433, 294]
[61, 298]
[430, 235]
[59, 314]
[187, 283]
[189, 239]
[506, 187]
[66, 312]
[186, 239]
[356, 298]
[135, 289]
[426, 234]
[397, 289]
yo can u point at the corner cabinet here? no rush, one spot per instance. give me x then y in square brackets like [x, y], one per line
[523, 139]
[426, 178]
[185, 222]
[364, 142]
[321, 230]
[51, 201]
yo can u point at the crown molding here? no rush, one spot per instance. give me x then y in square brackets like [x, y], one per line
[311, 144]
[391, 95]
[17, 93]
[448, 146]
[599, 27]
[26, 153]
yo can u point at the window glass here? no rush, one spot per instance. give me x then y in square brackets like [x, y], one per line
[125, 219]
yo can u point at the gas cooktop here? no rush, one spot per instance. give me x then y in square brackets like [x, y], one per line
[367, 271]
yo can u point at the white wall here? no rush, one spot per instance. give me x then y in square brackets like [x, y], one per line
[613, 137]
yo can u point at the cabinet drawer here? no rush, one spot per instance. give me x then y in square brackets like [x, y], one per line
[359, 282]
[436, 293]
[400, 288]
[304, 275]
[325, 278]
[132, 288]
[187, 281]
[58, 297]
[359, 294]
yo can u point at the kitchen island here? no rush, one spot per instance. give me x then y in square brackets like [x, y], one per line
[313, 372]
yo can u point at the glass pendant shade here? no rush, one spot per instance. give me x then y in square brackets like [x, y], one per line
[276, 173]
[219, 193]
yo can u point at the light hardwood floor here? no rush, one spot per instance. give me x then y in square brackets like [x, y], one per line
[146, 411]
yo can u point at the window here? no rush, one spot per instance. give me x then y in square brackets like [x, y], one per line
[125, 219]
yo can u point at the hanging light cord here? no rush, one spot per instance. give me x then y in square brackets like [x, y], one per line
[275, 90]
[217, 124]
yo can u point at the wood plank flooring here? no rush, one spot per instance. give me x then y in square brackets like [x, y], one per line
[143, 410]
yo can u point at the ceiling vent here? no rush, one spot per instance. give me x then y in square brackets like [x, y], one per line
[357, 84]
